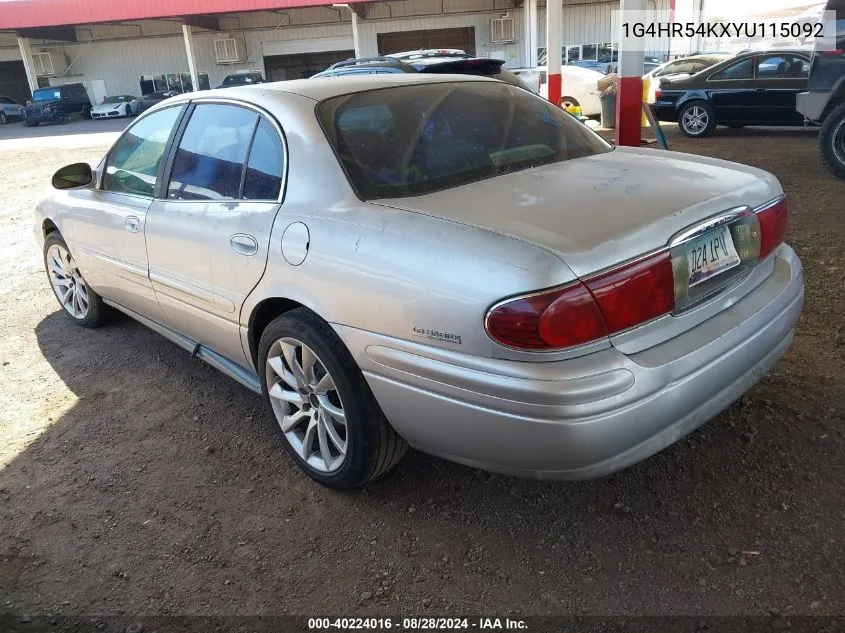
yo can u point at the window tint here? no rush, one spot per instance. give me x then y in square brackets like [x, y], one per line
[410, 140]
[210, 159]
[132, 164]
[782, 67]
[740, 70]
[266, 165]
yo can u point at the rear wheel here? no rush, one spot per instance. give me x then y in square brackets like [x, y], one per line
[832, 141]
[567, 102]
[696, 119]
[86, 112]
[326, 415]
[28, 123]
[2, 118]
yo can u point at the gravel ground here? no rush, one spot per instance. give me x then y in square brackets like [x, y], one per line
[134, 480]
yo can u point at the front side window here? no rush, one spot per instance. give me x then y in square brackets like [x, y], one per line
[133, 163]
[210, 158]
[740, 70]
[411, 140]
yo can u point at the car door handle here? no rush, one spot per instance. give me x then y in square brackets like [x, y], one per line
[132, 224]
[243, 244]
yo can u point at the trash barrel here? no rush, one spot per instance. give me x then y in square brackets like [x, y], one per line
[608, 110]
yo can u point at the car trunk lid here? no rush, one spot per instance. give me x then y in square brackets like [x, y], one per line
[599, 211]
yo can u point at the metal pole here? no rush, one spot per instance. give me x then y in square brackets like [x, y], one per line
[629, 87]
[189, 51]
[554, 44]
[356, 41]
[26, 54]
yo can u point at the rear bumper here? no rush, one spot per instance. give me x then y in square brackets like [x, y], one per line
[585, 417]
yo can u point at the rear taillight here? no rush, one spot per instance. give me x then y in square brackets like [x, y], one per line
[553, 319]
[628, 296]
[773, 224]
[636, 293]
[658, 95]
[579, 313]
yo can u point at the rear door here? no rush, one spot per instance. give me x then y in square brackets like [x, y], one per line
[778, 78]
[731, 89]
[208, 237]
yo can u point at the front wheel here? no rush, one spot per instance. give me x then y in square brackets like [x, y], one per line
[28, 123]
[86, 112]
[84, 306]
[2, 118]
[696, 119]
[326, 415]
[832, 141]
[569, 102]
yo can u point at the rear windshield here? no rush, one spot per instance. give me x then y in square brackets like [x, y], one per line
[411, 140]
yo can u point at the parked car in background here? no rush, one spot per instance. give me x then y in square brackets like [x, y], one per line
[57, 104]
[600, 67]
[455, 264]
[146, 102]
[242, 79]
[680, 69]
[756, 88]
[434, 61]
[112, 107]
[824, 100]
[10, 110]
[579, 87]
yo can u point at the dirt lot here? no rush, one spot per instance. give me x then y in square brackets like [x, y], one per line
[134, 480]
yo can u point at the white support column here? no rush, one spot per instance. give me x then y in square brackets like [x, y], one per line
[554, 44]
[531, 28]
[356, 41]
[26, 54]
[189, 51]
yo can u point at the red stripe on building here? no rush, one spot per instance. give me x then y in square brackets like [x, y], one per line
[22, 14]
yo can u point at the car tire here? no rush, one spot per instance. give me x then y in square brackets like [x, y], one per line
[327, 417]
[2, 118]
[79, 301]
[86, 112]
[28, 123]
[832, 141]
[696, 119]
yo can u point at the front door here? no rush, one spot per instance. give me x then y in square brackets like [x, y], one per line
[730, 90]
[104, 227]
[778, 79]
[208, 240]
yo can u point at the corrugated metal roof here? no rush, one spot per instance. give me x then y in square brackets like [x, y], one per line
[22, 14]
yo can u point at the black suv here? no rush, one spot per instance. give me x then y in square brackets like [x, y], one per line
[241, 79]
[824, 101]
[447, 61]
[56, 104]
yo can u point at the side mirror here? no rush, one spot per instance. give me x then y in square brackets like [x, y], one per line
[71, 176]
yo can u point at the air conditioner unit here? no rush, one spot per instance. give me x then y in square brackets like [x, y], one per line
[228, 50]
[48, 63]
[501, 29]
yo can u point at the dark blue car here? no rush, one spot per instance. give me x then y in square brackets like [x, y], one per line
[57, 104]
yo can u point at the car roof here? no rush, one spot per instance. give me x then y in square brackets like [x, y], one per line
[321, 88]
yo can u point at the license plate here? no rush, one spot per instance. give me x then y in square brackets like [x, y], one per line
[711, 254]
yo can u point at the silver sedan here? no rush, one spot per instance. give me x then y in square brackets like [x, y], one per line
[445, 262]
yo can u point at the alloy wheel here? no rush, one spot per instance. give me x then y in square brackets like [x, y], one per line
[68, 284]
[307, 405]
[696, 120]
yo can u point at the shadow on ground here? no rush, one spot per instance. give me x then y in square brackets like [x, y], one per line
[163, 490]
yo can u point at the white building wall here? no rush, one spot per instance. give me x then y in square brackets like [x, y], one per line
[119, 54]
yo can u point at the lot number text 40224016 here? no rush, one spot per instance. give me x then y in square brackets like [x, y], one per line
[416, 624]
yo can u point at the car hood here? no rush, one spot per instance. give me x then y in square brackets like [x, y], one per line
[108, 107]
[598, 211]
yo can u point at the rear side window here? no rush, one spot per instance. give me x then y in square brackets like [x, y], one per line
[133, 162]
[209, 160]
[266, 165]
[412, 140]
